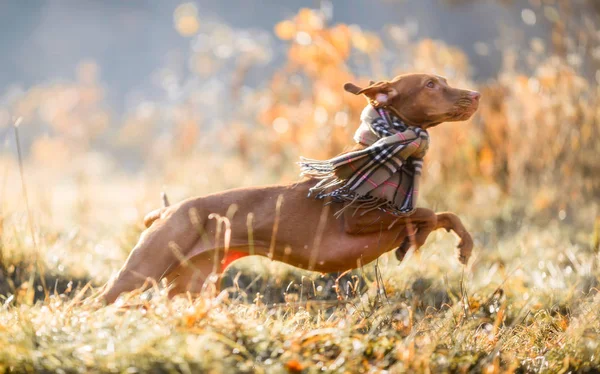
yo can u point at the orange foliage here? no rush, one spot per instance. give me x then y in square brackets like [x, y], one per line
[539, 127]
[307, 92]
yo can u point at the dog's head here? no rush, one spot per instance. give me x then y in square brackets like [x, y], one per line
[422, 100]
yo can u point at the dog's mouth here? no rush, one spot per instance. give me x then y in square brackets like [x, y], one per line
[465, 108]
[465, 115]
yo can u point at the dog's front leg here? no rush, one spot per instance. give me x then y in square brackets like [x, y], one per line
[418, 226]
[450, 221]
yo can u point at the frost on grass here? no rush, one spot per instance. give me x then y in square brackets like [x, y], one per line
[507, 311]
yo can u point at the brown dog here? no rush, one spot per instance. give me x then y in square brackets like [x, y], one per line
[189, 241]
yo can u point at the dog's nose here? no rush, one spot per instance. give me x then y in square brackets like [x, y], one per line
[475, 95]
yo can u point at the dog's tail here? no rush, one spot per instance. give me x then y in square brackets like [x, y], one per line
[152, 216]
[155, 214]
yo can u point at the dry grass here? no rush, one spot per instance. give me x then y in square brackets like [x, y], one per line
[529, 303]
[522, 174]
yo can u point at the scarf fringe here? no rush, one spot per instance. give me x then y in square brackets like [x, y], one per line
[363, 203]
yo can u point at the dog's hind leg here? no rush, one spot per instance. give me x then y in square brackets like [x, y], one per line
[194, 274]
[160, 249]
[201, 271]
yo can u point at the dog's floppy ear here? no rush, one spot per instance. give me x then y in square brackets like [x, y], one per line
[378, 93]
[352, 88]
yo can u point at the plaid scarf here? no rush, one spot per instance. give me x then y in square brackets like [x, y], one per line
[384, 175]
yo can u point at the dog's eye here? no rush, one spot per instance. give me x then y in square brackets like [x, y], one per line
[430, 84]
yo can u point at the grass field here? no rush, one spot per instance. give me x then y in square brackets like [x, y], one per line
[528, 302]
[522, 174]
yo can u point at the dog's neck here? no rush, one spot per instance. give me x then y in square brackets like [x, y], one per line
[386, 113]
[408, 122]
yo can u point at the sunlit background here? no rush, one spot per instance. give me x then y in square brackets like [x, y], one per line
[119, 100]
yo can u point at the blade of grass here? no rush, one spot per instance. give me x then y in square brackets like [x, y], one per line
[38, 266]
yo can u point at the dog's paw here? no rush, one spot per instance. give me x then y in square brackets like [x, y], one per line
[464, 248]
[402, 249]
